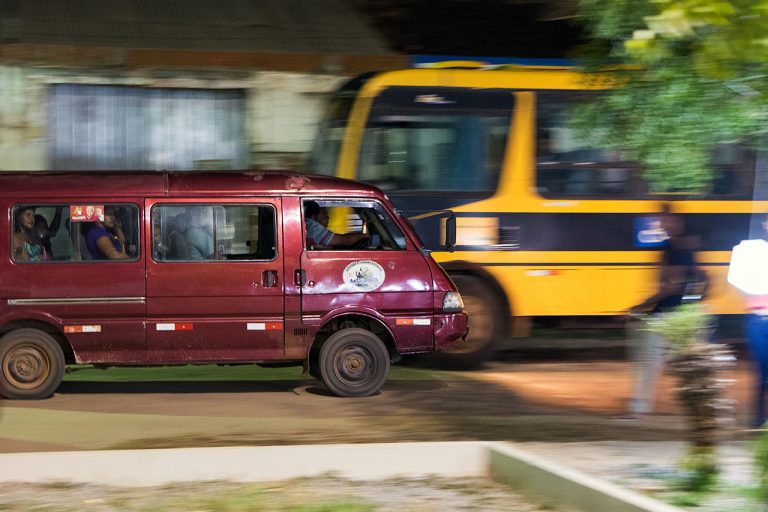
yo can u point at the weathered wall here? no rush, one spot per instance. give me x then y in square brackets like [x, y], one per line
[282, 108]
[22, 120]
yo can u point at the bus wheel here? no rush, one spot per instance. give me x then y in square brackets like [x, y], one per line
[32, 364]
[487, 325]
[354, 362]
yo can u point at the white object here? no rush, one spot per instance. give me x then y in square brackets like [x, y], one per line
[748, 270]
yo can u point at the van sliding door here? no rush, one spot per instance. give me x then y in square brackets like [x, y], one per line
[214, 281]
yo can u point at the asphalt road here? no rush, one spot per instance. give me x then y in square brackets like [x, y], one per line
[565, 395]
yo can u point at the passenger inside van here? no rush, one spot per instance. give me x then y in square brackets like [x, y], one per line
[199, 233]
[46, 232]
[105, 240]
[320, 237]
[177, 239]
[26, 245]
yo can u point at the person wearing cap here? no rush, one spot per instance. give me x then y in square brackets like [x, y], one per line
[26, 244]
[106, 241]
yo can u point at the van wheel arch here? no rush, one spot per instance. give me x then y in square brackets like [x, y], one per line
[61, 339]
[482, 293]
[347, 321]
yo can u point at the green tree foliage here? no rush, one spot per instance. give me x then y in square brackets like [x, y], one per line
[693, 74]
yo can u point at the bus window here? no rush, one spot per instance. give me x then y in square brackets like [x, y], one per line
[734, 172]
[568, 167]
[420, 138]
[325, 153]
[213, 232]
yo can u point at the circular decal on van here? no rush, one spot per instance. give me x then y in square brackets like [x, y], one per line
[363, 276]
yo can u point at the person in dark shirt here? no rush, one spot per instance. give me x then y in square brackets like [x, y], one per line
[44, 231]
[679, 280]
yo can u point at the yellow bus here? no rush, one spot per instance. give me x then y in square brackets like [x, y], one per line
[546, 226]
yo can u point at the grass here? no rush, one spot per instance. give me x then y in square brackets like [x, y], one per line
[316, 494]
[721, 497]
[222, 373]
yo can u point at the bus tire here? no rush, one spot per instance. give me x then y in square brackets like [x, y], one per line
[487, 325]
[354, 362]
[32, 364]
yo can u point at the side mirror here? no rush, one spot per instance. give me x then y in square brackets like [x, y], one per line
[436, 228]
[450, 232]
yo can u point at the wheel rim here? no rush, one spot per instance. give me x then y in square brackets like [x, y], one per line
[26, 367]
[481, 325]
[354, 365]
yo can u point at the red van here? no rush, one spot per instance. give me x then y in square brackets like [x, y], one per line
[158, 268]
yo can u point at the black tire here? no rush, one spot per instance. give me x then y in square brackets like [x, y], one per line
[487, 325]
[32, 364]
[354, 362]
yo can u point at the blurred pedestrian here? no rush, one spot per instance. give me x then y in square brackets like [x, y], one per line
[757, 336]
[679, 280]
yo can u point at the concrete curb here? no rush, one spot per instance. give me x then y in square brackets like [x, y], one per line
[556, 486]
[537, 478]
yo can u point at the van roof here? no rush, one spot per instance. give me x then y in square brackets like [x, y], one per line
[60, 184]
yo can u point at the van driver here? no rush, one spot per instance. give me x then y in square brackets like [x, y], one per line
[318, 234]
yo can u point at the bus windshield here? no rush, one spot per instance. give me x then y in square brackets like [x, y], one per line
[436, 139]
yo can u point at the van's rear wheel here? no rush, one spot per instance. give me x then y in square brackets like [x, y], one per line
[354, 362]
[32, 364]
[487, 325]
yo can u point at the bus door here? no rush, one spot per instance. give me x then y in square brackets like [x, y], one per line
[215, 281]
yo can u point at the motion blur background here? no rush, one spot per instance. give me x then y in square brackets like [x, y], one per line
[203, 84]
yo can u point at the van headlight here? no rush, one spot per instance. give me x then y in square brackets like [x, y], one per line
[452, 302]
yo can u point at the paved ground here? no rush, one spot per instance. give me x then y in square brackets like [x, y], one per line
[562, 407]
[562, 400]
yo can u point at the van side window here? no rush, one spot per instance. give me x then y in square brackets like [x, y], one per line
[346, 225]
[75, 232]
[207, 232]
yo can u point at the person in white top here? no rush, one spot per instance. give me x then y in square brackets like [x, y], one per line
[757, 335]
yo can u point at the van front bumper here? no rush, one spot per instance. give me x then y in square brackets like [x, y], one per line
[450, 329]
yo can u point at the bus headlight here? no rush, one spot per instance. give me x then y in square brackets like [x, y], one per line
[452, 302]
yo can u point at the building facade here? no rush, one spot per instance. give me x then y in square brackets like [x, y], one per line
[173, 85]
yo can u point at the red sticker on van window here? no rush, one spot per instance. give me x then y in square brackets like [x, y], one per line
[86, 213]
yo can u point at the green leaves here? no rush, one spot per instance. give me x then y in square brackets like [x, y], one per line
[692, 74]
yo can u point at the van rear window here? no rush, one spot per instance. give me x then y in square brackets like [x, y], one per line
[213, 232]
[75, 232]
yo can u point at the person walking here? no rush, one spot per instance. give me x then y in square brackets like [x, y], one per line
[679, 279]
[757, 338]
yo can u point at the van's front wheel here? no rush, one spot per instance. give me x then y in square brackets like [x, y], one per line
[354, 362]
[32, 364]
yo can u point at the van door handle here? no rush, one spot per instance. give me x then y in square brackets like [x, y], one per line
[299, 277]
[269, 278]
